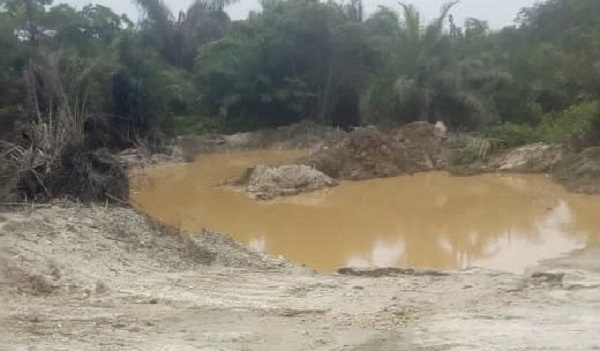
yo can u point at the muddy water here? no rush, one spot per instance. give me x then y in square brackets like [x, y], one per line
[506, 222]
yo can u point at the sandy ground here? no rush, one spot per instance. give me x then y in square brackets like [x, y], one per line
[107, 279]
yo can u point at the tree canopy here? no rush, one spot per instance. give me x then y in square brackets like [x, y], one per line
[199, 71]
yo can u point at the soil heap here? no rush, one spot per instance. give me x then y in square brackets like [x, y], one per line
[367, 153]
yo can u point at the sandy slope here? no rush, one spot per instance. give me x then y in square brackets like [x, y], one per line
[107, 279]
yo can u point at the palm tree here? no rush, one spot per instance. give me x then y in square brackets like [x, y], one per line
[424, 63]
[178, 38]
[355, 10]
[435, 82]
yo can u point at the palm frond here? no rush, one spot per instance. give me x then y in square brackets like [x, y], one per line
[412, 22]
[435, 30]
[471, 102]
[219, 5]
[483, 147]
[446, 10]
[155, 10]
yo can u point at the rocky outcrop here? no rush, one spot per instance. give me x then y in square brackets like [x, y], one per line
[535, 158]
[268, 182]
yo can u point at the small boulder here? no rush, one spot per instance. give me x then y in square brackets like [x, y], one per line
[268, 182]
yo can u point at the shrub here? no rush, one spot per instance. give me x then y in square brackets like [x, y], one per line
[192, 125]
[576, 126]
[464, 157]
[573, 126]
[512, 134]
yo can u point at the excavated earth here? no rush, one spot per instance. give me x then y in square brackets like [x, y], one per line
[108, 278]
[367, 153]
[363, 153]
[80, 278]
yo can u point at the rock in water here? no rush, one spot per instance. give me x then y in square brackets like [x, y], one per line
[268, 182]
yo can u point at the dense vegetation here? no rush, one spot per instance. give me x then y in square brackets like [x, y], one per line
[198, 71]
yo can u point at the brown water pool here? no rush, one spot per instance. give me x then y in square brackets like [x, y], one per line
[505, 222]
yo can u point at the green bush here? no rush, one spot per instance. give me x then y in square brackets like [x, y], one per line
[573, 126]
[512, 134]
[464, 157]
[191, 125]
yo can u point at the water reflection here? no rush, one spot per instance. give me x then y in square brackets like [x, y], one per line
[382, 254]
[425, 220]
[258, 244]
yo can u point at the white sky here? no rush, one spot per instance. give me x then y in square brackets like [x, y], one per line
[498, 13]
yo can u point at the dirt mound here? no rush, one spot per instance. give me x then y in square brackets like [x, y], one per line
[536, 158]
[580, 172]
[368, 153]
[424, 137]
[227, 252]
[66, 249]
[268, 182]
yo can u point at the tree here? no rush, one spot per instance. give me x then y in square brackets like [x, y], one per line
[178, 37]
[431, 85]
[295, 60]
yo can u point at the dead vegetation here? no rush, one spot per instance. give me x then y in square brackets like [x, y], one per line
[89, 175]
[58, 169]
[50, 156]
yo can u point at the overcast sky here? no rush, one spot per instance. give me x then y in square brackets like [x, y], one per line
[498, 13]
